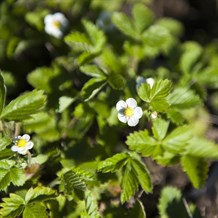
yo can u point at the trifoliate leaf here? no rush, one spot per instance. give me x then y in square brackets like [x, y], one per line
[143, 17]
[142, 174]
[124, 24]
[141, 142]
[196, 169]
[160, 128]
[183, 98]
[92, 70]
[9, 174]
[35, 210]
[92, 87]
[191, 54]
[156, 95]
[12, 206]
[39, 194]
[113, 163]
[129, 183]
[2, 92]
[201, 147]
[24, 106]
[4, 142]
[178, 139]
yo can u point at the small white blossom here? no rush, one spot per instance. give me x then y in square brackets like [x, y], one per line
[140, 80]
[128, 112]
[154, 115]
[22, 144]
[55, 24]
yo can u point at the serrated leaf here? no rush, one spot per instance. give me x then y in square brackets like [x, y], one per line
[191, 54]
[92, 70]
[141, 142]
[2, 92]
[91, 205]
[201, 147]
[4, 142]
[183, 98]
[24, 106]
[35, 210]
[175, 116]
[124, 24]
[96, 36]
[9, 174]
[92, 87]
[39, 194]
[196, 169]
[143, 17]
[160, 128]
[178, 139]
[156, 95]
[12, 206]
[113, 163]
[72, 182]
[79, 42]
[129, 183]
[116, 80]
[170, 204]
[142, 174]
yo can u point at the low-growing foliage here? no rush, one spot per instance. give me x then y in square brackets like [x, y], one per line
[66, 90]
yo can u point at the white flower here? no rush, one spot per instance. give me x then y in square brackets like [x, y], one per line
[128, 112]
[55, 24]
[154, 115]
[22, 144]
[140, 80]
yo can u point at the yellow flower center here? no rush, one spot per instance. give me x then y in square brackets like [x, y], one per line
[57, 24]
[128, 112]
[21, 143]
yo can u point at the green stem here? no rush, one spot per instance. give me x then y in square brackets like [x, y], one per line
[29, 156]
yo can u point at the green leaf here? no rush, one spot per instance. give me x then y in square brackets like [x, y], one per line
[113, 163]
[129, 183]
[72, 182]
[142, 174]
[91, 205]
[178, 139]
[41, 78]
[141, 142]
[116, 80]
[9, 174]
[137, 210]
[64, 103]
[4, 142]
[143, 17]
[12, 206]
[39, 194]
[156, 95]
[201, 147]
[171, 205]
[2, 93]
[92, 87]
[160, 128]
[35, 210]
[183, 98]
[24, 106]
[196, 169]
[191, 54]
[124, 24]
[92, 70]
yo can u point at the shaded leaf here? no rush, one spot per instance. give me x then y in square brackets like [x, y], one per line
[35, 210]
[2, 92]
[160, 128]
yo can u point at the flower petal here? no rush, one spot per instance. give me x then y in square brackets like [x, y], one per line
[121, 105]
[131, 102]
[26, 137]
[150, 81]
[133, 121]
[22, 150]
[14, 148]
[122, 118]
[138, 112]
[29, 145]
